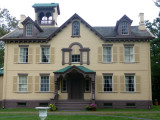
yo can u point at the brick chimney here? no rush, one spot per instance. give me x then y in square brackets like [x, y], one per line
[141, 23]
[22, 18]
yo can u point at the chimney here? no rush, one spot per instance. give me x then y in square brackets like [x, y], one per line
[22, 18]
[141, 23]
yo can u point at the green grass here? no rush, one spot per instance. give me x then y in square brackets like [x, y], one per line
[100, 114]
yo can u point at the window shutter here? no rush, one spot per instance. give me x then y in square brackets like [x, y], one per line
[29, 83]
[30, 55]
[38, 55]
[121, 54]
[138, 84]
[15, 55]
[51, 83]
[99, 54]
[115, 84]
[37, 84]
[122, 83]
[84, 57]
[15, 83]
[66, 57]
[137, 56]
[52, 55]
[115, 54]
[100, 84]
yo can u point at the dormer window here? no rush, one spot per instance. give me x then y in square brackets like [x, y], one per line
[29, 29]
[76, 29]
[124, 28]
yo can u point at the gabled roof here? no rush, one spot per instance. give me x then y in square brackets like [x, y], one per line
[28, 19]
[81, 68]
[75, 16]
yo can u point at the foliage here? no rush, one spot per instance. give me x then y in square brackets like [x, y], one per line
[154, 28]
[91, 107]
[7, 24]
[52, 107]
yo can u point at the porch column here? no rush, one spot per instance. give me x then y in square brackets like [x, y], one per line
[93, 88]
[55, 97]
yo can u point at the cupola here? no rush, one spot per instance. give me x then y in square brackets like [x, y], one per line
[46, 13]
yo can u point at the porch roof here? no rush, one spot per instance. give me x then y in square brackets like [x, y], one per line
[81, 68]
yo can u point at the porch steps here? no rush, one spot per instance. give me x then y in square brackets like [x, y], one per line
[72, 104]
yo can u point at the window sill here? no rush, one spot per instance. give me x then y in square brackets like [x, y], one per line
[24, 63]
[22, 92]
[44, 63]
[130, 92]
[44, 92]
[107, 62]
[75, 36]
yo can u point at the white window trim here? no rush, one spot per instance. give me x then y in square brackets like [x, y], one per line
[134, 85]
[103, 84]
[41, 83]
[19, 55]
[111, 54]
[133, 55]
[49, 55]
[19, 84]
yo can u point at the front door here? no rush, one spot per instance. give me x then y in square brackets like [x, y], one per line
[76, 85]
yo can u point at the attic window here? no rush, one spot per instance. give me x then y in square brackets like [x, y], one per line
[124, 28]
[75, 29]
[29, 29]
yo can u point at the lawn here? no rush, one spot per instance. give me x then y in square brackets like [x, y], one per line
[100, 114]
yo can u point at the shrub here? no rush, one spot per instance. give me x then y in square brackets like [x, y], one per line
[91, 107]
[52, 107]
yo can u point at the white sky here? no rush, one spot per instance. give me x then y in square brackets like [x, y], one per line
[95, 12]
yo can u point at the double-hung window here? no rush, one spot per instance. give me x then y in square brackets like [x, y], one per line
[129, 54]
[44, 83]
[76, 28]
[124, 28]
[23, 83]
[129, 83]
[23, 56]
[29, 29]
[107, 54]
[45, 54]
[107, 83]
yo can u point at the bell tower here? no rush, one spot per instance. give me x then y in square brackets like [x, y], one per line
[46, 13]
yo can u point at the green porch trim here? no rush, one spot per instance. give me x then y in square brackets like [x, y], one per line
[45, 5]
[82, 68]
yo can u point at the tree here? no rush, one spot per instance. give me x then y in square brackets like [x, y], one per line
[7, 24]
[154, 27]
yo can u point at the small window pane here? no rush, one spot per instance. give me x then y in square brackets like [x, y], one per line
[129, 83]
[76, 29]
[107, 54]
[107, 83]
[124, 28]
[23, 56]
[75, 58]
[44, 83]
[29, 30]
[45, 55]
[23, 83]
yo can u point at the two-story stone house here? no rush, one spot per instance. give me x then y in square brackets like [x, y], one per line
[76, 64]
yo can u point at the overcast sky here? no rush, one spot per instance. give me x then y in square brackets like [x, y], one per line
[95, 12]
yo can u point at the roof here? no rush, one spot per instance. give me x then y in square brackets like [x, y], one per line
[81, 68]
[45, 5]
[105, 33]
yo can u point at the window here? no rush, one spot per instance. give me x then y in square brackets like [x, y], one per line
[45, 55]
[23, 83]
[129, 83]
[76, 29]
[87, 85]
[124, 28]
[21, 104]
[107, 104]
[107, 83]
[75, 58]
[44, 83]
[129, 55]
[107, 54]
[23, 57]
[64, 85]
[29, 29]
